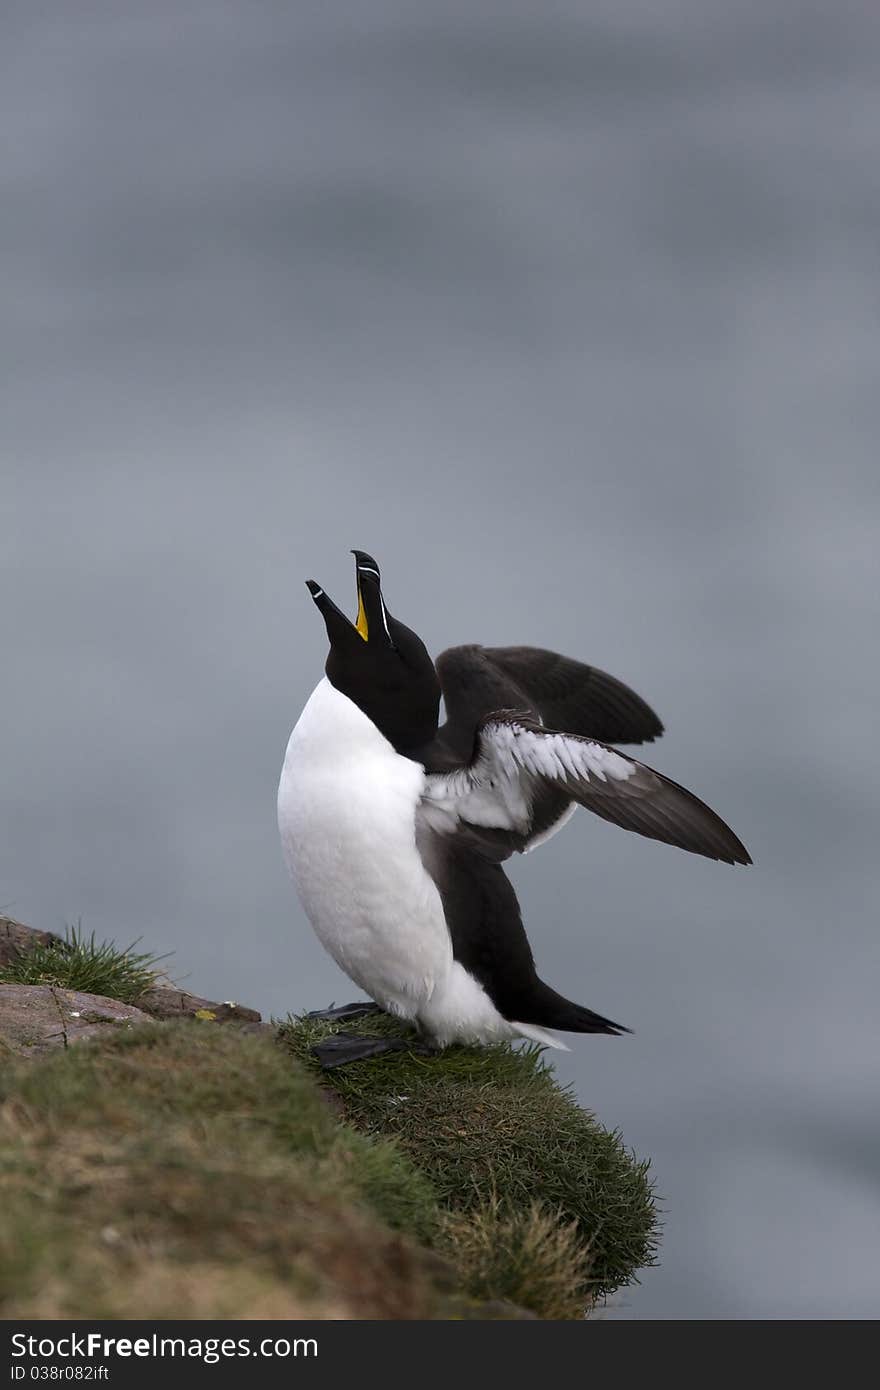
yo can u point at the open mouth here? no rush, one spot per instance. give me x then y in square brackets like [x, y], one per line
[371, 611]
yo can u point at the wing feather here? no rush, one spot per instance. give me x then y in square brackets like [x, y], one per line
[561, 692]
[516, 759]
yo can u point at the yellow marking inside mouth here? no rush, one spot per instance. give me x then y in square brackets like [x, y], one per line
[361, 623]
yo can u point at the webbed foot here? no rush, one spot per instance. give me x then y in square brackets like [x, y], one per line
[342, 1048]
[342, 1012]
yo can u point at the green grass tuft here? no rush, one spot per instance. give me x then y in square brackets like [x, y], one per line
[80, 962]
[487, 1123]
[532, 1257]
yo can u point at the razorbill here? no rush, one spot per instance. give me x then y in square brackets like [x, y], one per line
[395, 829]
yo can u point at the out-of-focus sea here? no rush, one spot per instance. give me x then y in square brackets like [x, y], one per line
[569, 314]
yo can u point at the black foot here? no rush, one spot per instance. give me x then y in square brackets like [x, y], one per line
[345, 1047]
[343, 1012]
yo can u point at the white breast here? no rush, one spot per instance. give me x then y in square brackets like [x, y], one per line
[346, 813]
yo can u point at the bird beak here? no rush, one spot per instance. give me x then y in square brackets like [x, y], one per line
[335, 619]
[372, 615]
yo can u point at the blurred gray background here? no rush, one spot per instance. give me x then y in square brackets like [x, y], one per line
[568, 312]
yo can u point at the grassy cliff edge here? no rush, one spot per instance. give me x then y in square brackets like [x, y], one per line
[196, 1170]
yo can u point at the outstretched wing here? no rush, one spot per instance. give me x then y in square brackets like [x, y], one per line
[517, 760]
[578, 698]
[559, 692]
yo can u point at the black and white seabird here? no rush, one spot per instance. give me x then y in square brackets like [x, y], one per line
[395, 829]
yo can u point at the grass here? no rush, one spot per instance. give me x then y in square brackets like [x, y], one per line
[532, 1257]
[492, 1125]
[190, 1171]
[195, 1171]
[80, 962]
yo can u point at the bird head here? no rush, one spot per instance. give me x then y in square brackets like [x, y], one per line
[379, 663]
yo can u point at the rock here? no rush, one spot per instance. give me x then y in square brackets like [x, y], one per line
[15, 937]
[166, 1001]
[162, 1000]
[37, 1018]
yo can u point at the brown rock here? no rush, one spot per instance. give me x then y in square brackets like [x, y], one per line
[166, 1001]
[15, 937]
[38, 1018]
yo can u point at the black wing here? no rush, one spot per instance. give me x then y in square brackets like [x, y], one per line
[559, 692]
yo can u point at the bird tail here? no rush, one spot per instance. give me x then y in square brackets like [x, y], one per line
[551, 1010]
[540, 1035]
